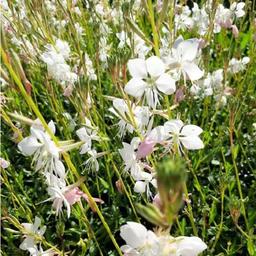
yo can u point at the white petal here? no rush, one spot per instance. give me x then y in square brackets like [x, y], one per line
[129, 251]
[37, 133]
[188, 49]
[29, 145]
[190, 246]
[173, 126]
[155, 66]
[240, 6]
[52, 127]
[60, 168]
[134, 234]
[28, 243]
[158, 134]
[28, 227]
[192, 70]
[84, 148]
[140, 187]
[82, 134]
[135, 87]
[191, 130]
[166, 84]
[36, 224]
[178, 41]
[137, 68]
[192, 142]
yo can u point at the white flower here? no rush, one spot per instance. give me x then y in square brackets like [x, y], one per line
[206, 87]
[223, 18]
[63, 48]
[238, 9]
[190, 246]
[4, 163]
[122, 36]
[92, 162]
[183, 57]
[137, 236]
[142, 185]
[40, 252]
[31, 231]
[141, 116]
[90, 72]
[183, 20]
[187, 135]
[200, 19]
[143, 242]
[235, 65]
[87, 135]
[129, 156]
[149, 77]
[57, 67]
[46, 153]
[140, 47]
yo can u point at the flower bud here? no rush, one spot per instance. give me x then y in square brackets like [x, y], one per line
[145, 148]
[171, 176]
[235, 31]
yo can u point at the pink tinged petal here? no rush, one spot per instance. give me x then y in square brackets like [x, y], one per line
[135, 87]
[140, 187]
[193, 71]
[191, 129]
[192, 142]
[145, 148]
[166, 84]
[97, 200]
[155, 66]
[29, 145]
[137, 68]
[134, 234]
[73, 195]
[188, 49]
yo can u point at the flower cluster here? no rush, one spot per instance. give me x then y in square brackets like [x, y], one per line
[33, 236]
[55, 57]
[140, 241]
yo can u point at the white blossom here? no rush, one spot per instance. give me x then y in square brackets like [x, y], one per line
[148, 78]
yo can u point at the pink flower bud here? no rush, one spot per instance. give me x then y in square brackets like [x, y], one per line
[227, 23]
[157, 201]
[179, 95]
[202, 43]
[145, 148]
[3, 163]
[235, 31]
